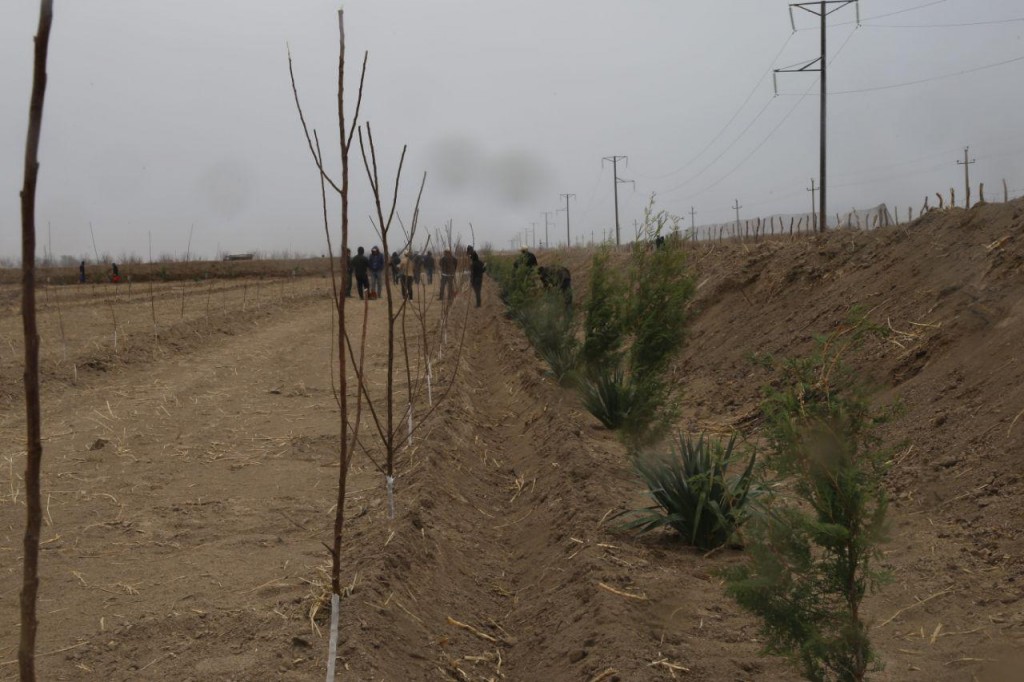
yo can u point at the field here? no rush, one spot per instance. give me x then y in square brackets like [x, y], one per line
[190, 473]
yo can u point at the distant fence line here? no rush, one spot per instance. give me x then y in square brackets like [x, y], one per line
[807, 223]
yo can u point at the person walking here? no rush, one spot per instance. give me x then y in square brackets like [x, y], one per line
[476, 274]
[428, 265]
[417, 268]
[406, 270]
[81, 273]
[376, 272]
[361, 269]
[449, 265]
[115, 274]
[396, 264]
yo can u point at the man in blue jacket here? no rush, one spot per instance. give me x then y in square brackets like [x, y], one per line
[376, 272]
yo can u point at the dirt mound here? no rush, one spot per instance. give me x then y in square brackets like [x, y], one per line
[950, 288]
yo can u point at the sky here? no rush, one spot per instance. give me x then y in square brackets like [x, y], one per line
[165, 119]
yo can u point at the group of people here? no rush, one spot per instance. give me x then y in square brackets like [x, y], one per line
[367, 272]
[113, 274]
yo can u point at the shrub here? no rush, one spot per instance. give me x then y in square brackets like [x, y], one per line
[661, 288]
[605, 321]
[635, 325]
[812, 558]
[544, 316]
[694, 493]
[550, 326]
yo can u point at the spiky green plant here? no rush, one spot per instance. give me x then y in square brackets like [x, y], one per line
[694, 493]
[608, 395]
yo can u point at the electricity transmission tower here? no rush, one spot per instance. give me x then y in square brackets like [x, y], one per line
[812, 189]
[615, 182]
[822, 9]
[568, 239]
[967, 176]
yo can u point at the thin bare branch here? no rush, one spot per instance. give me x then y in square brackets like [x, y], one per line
[305, 128]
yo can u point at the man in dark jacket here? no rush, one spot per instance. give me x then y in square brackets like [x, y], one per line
[396, 264]
[376, 272]
[361, 268]
[417, 267]
[476, 274]
[448, 267]
[557, 277]
[428, 265]
[526, 259]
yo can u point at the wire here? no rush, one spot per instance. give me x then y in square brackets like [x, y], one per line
[724, 151]
[901, 164]
[731, 120]
[892, 14]
[928, 80]
[971, 23]
[784, 118]
[763, 142]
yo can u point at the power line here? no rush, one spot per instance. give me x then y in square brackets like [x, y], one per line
[892, 14]
[963, 25]
[929, 80]
[733, 118]
[765, 140]
[724, 151]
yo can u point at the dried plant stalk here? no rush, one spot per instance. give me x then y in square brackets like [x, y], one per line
[33, 418]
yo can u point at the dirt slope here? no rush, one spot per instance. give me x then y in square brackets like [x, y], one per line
[951, 288]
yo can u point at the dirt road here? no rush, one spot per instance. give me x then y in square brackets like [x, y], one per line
[188, 494]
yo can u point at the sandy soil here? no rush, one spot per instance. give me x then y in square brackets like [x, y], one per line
[190, 480]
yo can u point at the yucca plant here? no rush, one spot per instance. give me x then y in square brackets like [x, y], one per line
[694, 493]
[608, 395]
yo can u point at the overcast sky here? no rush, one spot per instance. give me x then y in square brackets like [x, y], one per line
[161, 115]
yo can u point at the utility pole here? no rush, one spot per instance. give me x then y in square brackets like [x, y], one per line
[534, 225]
[967, 177]
[693, 221]
[812, 189]
[822, 9]
[737, 207]
[547, 244]
[568, 239]
[615, 183]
